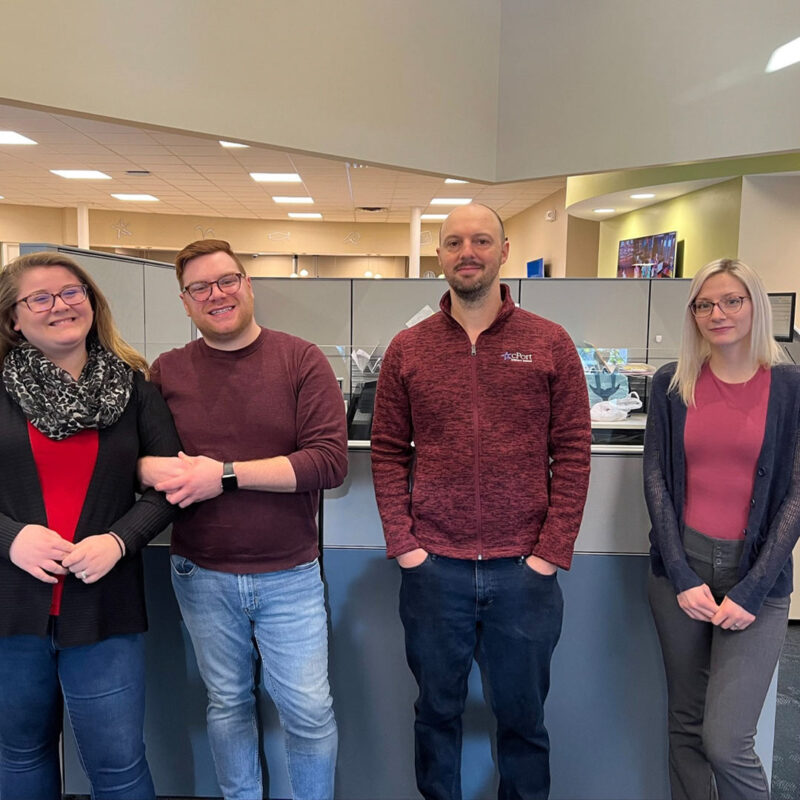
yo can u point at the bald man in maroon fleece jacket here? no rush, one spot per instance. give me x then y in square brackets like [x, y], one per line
[484, 508]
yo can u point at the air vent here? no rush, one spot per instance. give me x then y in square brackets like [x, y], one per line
[137, 171]
[372, 209]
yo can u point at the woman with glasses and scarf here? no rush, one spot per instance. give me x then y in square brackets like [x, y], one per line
[76, 413]
[722, 483]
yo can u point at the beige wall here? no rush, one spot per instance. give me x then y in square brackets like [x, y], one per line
[173, 231]
[769, 233]
[707, 221]
[35, 224]
[532, 236]
[583, 239]
[589, 86]
[483, 89]
[411, 84]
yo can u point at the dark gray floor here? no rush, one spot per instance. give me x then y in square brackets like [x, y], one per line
[786, 761]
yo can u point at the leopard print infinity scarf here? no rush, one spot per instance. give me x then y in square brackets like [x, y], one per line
[58, 405]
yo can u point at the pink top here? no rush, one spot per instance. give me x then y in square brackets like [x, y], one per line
[722, 439]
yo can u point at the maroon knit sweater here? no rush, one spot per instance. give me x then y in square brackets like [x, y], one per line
[502, 437]
[276, 397]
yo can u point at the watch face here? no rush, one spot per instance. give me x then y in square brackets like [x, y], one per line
[229, 482]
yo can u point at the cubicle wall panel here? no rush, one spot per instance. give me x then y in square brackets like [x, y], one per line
[667, 310]
[616, 519]
[122, 282]
[317, 310]
[166, 323]
[602, 313]
[351, 513]
[382, 308]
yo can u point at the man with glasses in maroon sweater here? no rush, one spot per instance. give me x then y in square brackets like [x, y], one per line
[261, 417]
[484, 508]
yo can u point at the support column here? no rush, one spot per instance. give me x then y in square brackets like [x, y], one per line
[83, 226]
[413, 246]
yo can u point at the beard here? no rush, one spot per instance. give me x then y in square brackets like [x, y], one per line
[475, 290]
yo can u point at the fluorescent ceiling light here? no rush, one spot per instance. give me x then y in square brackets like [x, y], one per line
[304, 200]
[454, 180]
[12, 137]
[232, 144]
[784, 56]
[642, 196]
[433, 216]
[604, 210]
[136, 198]
[276, 177]
[451, 201]
[81, 174]
[302, 215]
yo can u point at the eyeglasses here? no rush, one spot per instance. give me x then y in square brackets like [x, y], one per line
[728, 305]
[39, 302]
[227, 284]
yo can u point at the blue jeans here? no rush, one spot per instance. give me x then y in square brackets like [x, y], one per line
[508, 617]
[280, 616]
[102, 687]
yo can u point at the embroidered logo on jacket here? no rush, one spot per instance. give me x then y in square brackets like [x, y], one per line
[522, 357]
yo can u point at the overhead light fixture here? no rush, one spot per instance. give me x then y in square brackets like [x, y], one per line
[304, 215]
[451, 201]
[642, 196]
[377, 276]
[300, 200]
[81, 174]
[433, 216]
[1, 197]
[454, 180]
[232, 144]
[12, 137]
[604, 210]
[784, 56]
[303, 273]
[136, 198]
[276, 177]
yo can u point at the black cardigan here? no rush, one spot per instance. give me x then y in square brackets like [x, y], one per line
[115, 604]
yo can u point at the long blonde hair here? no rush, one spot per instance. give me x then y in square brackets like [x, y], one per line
[103, 326]
[695, 350]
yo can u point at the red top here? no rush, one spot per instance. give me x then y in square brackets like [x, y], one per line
[723, 436]
[65, 468]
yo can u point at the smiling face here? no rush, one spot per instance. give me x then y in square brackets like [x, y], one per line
[471, 251]
[60, 333]
[725, 329]
[225, 320]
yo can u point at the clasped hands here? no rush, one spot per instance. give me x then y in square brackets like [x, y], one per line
[183, 479]
[698, 603]
[42, 553]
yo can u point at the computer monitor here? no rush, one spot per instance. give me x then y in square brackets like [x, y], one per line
[783, 305]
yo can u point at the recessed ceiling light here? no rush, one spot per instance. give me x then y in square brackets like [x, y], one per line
[302, 215]
[303, 200]
[276, 177]
[12, 137]
[433, 216]
[784, 56]
[451, 201]
[137, 198]
[232, 144]
[604, 210]
[454, 180]
[642, 196]
[81, 174]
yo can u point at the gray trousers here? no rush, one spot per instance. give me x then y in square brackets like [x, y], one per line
[716, 680]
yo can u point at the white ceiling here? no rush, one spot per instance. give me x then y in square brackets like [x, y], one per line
[197, 176]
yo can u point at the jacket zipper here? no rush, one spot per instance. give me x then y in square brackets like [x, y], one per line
[476, 425]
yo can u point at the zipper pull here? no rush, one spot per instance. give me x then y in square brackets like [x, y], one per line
[474, 351]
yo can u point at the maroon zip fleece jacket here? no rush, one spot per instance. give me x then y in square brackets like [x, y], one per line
[486, 423]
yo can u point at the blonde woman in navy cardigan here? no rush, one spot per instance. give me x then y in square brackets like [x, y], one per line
[722, 483]
[76, 413]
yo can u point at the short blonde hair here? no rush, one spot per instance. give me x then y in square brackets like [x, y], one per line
[695, 350]
[103, 326]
